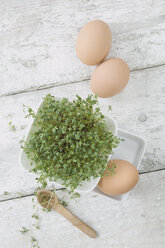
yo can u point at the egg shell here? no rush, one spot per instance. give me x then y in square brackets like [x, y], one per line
[93, 42]
[125, 178]
[110, 77]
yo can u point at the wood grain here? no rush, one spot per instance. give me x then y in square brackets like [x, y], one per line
[137, 222]
[139, 108]
[37, 39]
[75, 221]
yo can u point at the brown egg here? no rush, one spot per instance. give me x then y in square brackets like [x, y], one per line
[93, 42]
[110, 77]
[125, 178]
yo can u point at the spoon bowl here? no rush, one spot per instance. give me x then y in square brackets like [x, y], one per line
[46, 198]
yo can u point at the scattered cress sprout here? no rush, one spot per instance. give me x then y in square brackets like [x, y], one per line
[24, 230]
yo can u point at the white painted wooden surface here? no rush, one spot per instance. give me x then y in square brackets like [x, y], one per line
[37, 51]
[143, 96]
[136, 222]
[37, 38]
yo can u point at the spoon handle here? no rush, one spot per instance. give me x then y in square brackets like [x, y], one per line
[75, 221]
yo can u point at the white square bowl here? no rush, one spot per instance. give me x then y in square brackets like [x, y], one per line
[86, 186]
[132, 150]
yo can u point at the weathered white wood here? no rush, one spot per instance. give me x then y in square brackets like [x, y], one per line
[37, 41]
[140, 108]
[136, 222]
[37, 38]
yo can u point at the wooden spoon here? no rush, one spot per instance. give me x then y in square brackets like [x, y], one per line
[49, 200]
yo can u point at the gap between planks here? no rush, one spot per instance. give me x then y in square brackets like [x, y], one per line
[23, 196]
[32, 194]
[43, 87]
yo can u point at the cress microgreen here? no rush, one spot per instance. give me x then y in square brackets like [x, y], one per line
[6, 193]
[75, 195]
[46, 210]
[12, 127]
[109, 107]
[69, 141]
[64, 203]
[34, 242]
[24, 230]
[35, 216]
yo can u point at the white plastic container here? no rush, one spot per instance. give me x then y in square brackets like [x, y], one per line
[86, 186]
[131, 150]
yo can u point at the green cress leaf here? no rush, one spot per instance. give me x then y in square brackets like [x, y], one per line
[69, 141]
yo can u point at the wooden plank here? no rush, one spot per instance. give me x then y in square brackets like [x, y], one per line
[37, 39]
[136, 222]
[139, 109]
